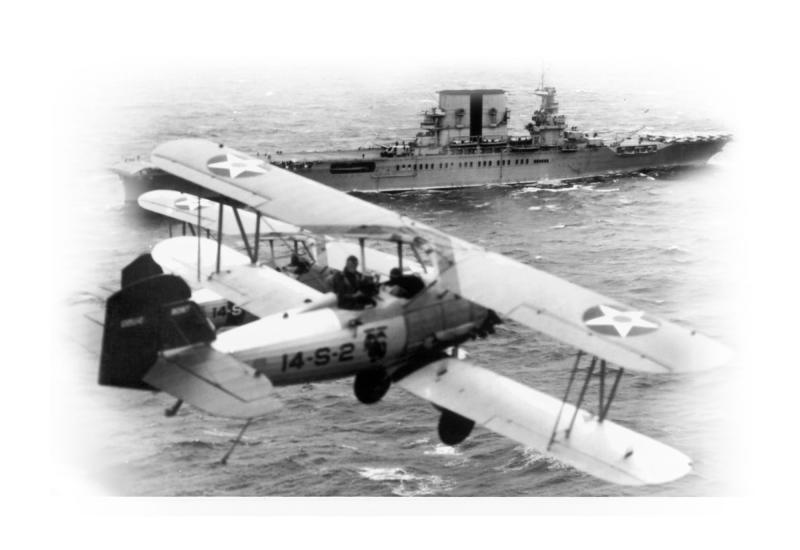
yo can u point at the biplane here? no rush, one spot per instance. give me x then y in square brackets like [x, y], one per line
[159, 333]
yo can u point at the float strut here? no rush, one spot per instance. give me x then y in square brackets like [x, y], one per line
[236, 442]
[173, 410]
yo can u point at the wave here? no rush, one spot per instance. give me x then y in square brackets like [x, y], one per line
[532, 460]
[408, 484]
[442, 449]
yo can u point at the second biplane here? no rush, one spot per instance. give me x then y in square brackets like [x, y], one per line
[157, 337]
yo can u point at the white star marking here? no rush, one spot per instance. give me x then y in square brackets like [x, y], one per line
[237, 165]
[622, 321]
[190, 203]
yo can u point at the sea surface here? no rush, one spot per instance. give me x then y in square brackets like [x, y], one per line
[662, 242]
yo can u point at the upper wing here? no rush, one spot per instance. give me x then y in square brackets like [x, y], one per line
[580, 317]
[189, 208]
[603, 449]
[260, 290]
[276, 192]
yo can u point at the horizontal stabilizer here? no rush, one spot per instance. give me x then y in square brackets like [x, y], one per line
[603, 449]
[214, 382]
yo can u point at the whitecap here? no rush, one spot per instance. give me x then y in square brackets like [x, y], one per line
[386, 474]
[409, 485]
[532, 459]
[426, 485]
[534, 208]
[442, 449]
[559, 189]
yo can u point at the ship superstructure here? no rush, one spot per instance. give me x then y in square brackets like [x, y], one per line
[464, 142]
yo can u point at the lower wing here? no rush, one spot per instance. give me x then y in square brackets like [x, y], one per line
[603, 449]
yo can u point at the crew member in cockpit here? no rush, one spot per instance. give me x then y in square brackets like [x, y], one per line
[404, 286]
[353, 290]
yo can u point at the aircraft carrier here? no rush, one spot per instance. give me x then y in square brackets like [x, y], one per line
[464, 142]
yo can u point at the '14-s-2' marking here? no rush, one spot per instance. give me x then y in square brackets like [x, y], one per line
[322, 356]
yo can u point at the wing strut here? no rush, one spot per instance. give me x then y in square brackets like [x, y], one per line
[219, 236]
[257, 239]
[419, 258]
[604, 404]
[243, 232]
[400, 255]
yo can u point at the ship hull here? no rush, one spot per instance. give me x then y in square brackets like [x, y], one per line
[507, 167]
[367, 172]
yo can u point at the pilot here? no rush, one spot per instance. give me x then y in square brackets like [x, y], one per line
[299, 265]
[404, 286]
[353, 290]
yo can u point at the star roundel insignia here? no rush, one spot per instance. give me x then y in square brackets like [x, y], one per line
[613, 321]
[232, 166]
[189, 203]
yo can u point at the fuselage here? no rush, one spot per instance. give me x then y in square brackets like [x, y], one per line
[294, 348]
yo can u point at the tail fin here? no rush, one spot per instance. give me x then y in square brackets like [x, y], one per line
[145, 317]
[141, 268]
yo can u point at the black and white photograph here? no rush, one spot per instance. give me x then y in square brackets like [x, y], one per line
[410, 258]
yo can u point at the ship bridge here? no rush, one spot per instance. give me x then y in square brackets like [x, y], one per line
[466, 117]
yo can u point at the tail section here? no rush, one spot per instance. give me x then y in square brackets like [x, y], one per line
[141, 268]
[148, 315]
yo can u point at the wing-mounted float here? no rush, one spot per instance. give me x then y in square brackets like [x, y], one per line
[396, 338]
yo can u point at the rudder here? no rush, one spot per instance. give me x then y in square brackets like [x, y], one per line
[143, 318]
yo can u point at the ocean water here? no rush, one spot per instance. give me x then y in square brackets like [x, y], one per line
[662, 242]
